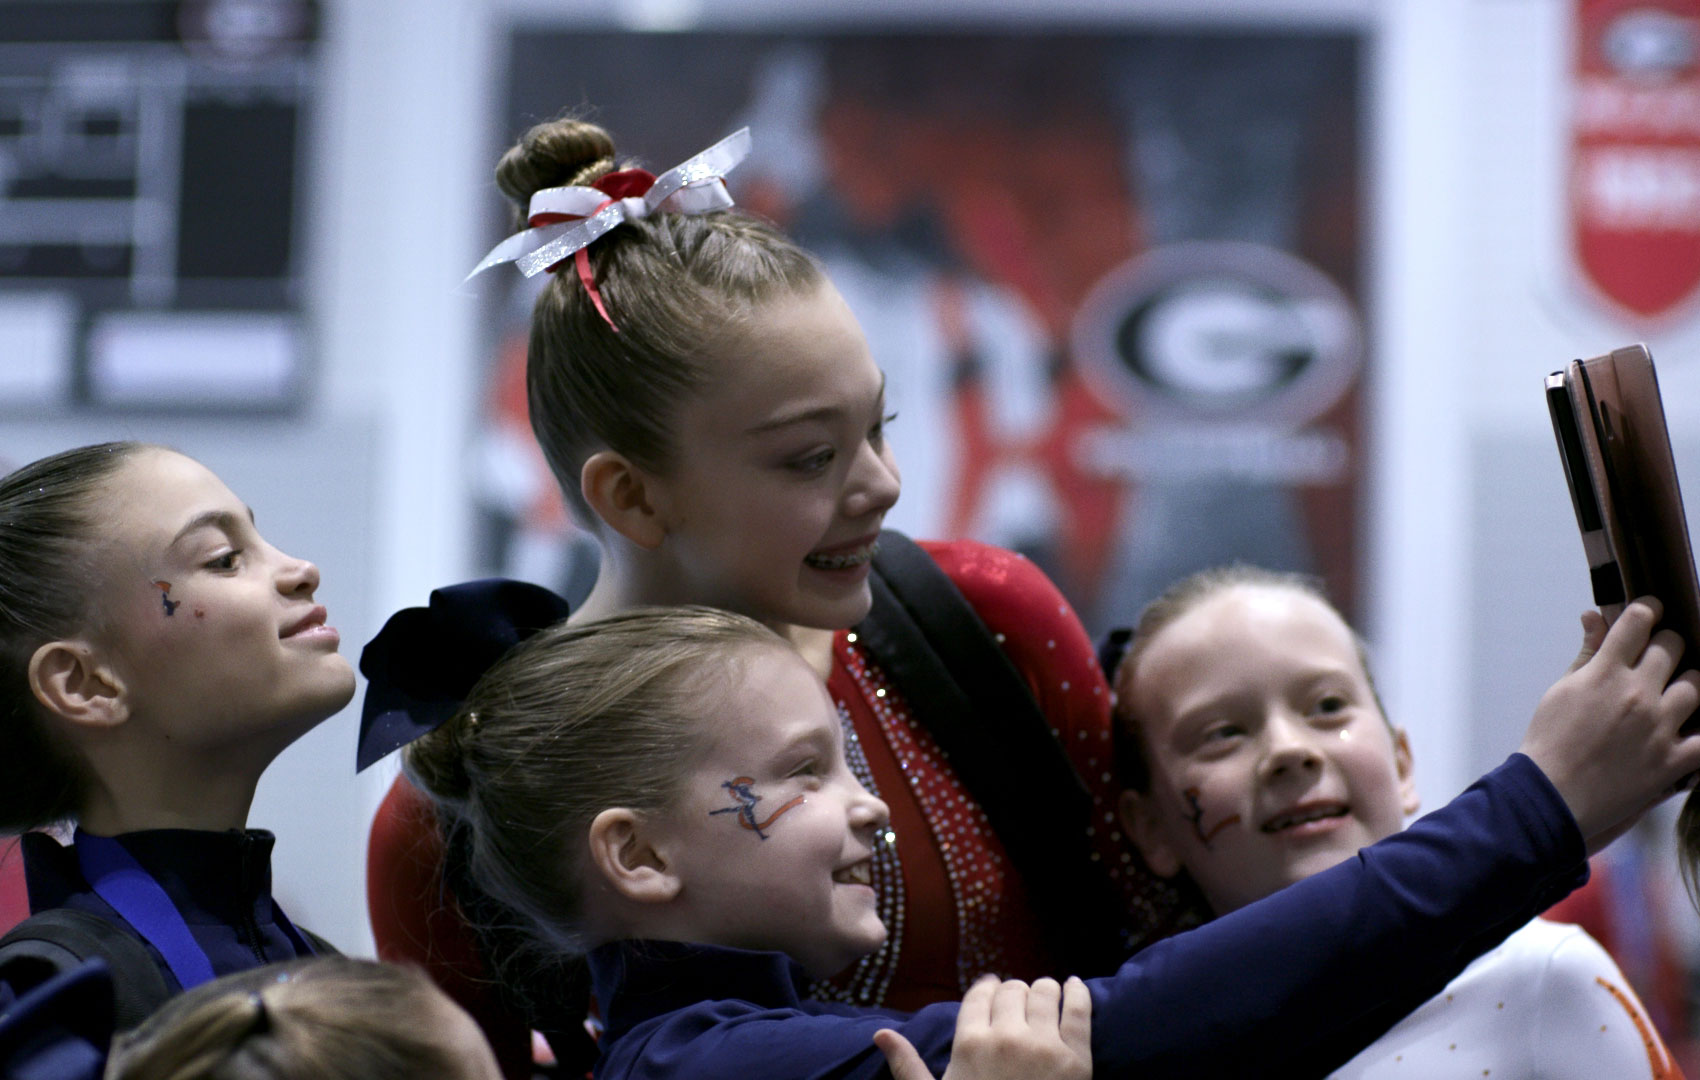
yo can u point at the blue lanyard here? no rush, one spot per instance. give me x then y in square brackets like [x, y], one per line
[120, 880]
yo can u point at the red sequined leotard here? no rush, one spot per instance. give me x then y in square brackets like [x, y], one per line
[953, 904]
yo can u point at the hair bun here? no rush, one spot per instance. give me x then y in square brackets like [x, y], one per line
[553, 154]
[436, 763]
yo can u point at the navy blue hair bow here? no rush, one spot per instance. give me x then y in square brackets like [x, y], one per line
[425, 661]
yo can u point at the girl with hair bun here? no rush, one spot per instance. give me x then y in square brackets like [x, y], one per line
[330, 1018]
[711, 411]
[156, 654]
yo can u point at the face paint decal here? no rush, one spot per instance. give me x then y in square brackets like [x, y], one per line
[746, 808]
[171, 605]
[1197, 818]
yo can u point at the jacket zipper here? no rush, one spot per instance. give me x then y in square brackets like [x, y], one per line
[250, 926]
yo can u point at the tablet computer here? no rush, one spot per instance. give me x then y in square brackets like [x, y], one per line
[1610, 424]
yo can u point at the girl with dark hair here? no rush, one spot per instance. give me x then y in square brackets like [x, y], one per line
[156, 654]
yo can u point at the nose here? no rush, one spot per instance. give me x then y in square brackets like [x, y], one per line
[868, 812]
[1289, 748]
[874, 482]
[297, 577]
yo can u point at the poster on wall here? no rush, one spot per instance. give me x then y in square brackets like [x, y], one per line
[148, 185]
[1113, 279]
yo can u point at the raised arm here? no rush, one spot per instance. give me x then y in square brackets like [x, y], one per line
[1299, 981]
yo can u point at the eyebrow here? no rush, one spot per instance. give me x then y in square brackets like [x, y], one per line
[219, 519]
[810, 739]
[823, 412]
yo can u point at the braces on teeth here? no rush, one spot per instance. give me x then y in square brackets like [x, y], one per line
[842, 562]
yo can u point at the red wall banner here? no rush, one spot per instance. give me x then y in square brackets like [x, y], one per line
[1635, 152]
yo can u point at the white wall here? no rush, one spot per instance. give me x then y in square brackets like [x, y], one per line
[1527, 314]
[399, 194]
[1416, 527]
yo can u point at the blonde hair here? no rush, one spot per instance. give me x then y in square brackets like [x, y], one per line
[574, 721]
[675, 285]
[330, 1018]
[1161, 613]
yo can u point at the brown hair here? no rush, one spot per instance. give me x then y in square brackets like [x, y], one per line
[1161, 613]
[574, 721]
[47, 520]
[1688, 844]
[676, 286]
[320, 1019]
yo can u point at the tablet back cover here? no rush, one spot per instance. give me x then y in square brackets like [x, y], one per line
[1617, 437]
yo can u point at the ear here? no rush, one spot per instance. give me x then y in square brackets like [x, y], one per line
[622, 853]
[623, 495]
[1405, 767]
[1140, 822]
[69, 678]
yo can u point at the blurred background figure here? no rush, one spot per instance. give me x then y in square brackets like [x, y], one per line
[331, 1018]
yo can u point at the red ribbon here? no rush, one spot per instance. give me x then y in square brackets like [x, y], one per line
[624, 184]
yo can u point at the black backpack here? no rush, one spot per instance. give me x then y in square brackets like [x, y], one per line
[59, 939]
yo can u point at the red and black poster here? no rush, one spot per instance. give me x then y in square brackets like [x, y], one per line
[1113, 278]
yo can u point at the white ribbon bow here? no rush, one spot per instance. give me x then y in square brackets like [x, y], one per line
[692, 187]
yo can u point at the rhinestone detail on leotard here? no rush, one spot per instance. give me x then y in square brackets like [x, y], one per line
[871, 977]
[959, 826]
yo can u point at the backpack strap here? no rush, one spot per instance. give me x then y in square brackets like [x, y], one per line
[60, 1029]
[978, 707]
[59, 939]
[319, 945]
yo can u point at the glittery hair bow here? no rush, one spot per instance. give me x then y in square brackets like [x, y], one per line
[564, 221]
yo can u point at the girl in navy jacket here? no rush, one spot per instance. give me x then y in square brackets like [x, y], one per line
[156, 654]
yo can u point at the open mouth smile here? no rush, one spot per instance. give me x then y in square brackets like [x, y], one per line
[848, 560]
[861, 873]
[1304, 815]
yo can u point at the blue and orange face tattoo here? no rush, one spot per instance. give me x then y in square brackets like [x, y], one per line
[1197, 818]
[746, 808]
[171, 605]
